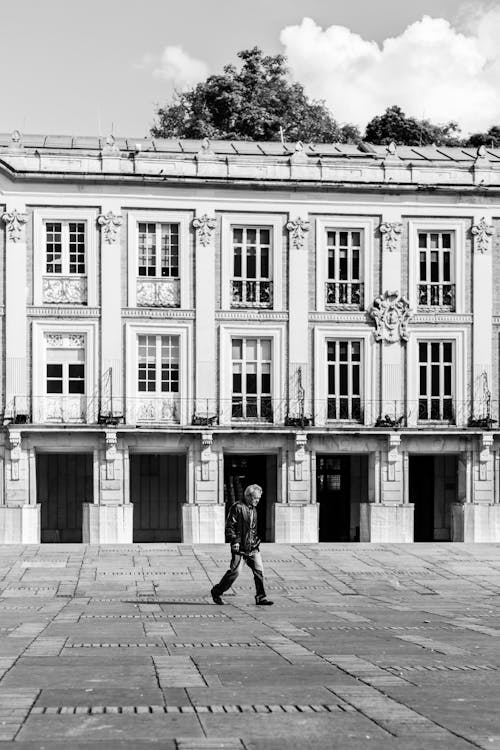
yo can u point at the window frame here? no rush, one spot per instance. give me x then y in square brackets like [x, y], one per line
[259, 395]
[344, 223]
[158, 364]
[275, 223]
[148, 216]
[455, 227]
[87, 216]
[441, 396]
[351, 363]
[159, 252]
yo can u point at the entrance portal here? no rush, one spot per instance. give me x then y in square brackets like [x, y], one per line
[157, 490]
[64, 482]
[432, 489]
[341, 485]
[239, 472]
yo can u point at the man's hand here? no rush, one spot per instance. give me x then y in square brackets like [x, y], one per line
[235, 547]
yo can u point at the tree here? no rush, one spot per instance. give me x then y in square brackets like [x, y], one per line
[253, 103]
[490, 138]
[395, 126]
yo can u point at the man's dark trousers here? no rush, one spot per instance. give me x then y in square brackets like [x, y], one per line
[254, 561]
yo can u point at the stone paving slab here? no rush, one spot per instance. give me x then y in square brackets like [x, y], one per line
[122, 648]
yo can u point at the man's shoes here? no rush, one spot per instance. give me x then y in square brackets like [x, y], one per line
[216, 597]
[264, 602]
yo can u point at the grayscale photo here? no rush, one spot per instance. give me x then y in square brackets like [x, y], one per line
[250, 375]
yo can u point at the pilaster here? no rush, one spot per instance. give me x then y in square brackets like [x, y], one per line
[298, 305]
[482, 306]
[110, 222]
[204, 225]
[16, 382]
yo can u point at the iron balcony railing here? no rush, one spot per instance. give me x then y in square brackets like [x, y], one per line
[170, 410]
[251, 293]
[344, 293]
[435, 294]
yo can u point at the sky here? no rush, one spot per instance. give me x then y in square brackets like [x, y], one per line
[93, 67]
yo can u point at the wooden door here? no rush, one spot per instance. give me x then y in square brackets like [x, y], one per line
[157, 491]
[64, 482]
[333, 493]
[421, 485]
[241, 471]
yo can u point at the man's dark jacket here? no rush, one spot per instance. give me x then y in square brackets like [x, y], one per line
[241, 527]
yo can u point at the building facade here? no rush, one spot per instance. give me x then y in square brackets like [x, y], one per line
[180, 319]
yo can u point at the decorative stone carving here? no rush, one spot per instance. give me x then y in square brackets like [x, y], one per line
[14, 221]
[16, 142]
[482, 233]
[159, 293]
[156, 410]
[300, 454]
[110, 146]
[110, 224]
[64, 291]
[62, 409]
[391, 233]
[206, 454]
[204, 226]
[391, 313]
[15, 454]
[65, 340]
[206, 151]
[393, 454]
[111, 441]
[299, 155]
[298, 229]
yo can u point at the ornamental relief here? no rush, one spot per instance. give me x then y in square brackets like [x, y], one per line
[204, 226]
[64, 291]
[155, 410]
[65, 340]
[298, 229]
[14, 221]
[391, 233]
[391, 314]
[110, 224]
[482, 233]
[159, 293]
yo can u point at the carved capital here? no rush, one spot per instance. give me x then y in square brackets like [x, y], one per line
[14, 221]
[482, 233]
[391, 314]
[391, 233]
[111, 441]
[204, 226]
[110, 224]
[207, 439]
[298, 229]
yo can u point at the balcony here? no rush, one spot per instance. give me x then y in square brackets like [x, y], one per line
[251, 293]
[436, 295]
[158, 292]
[344, 294]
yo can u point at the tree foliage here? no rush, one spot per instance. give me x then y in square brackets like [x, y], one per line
[490, 138]
[250, 103]
[395, 126]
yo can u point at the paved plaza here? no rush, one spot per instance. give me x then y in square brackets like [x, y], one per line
[367, 646]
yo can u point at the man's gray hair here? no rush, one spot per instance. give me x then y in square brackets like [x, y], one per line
[250, 489]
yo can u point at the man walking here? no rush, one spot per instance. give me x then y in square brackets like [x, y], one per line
[241, 533]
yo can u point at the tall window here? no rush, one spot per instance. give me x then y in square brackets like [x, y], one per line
[65, 247]
[158, 364]
[344, 376]
[251, 284]
[158, 250]
[251, 374]
[435, 380]
[344, 286]
[435, 270]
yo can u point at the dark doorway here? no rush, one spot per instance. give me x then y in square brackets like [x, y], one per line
[239, 472]
[421, 485]
[157, 491]
[333, 493]
[64, 482]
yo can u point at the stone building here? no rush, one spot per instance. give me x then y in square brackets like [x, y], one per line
[180, 319]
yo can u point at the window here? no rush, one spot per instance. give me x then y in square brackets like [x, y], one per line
[343, 285]
[435, 380]
[65, 372]
[65, 247]
[158, 364]
[251, 378]
[158, 250]
[435, 288]
[344, 365]
[251, 284]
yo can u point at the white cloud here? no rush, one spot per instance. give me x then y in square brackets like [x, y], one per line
[431, 70]
[180, 69]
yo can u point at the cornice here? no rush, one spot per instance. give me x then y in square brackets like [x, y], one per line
[335, 316]
[246, 314]
[57, 311]
[437, 318]
[157, 312]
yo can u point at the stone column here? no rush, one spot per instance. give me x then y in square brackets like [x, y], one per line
[20, 514]
[482, 307]
[296, 521]
[203, 517]
[205, 407]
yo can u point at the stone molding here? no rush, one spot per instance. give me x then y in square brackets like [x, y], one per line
[334, 316]
[65, 340]
[391, 314]
[248, 314]
[110, 223]
[63, 312]
[298, 229]
[15, 453]
[14, 221]
[157, 312]
[111, 441]
[204, 226]
[391, 233]
[482, 233]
